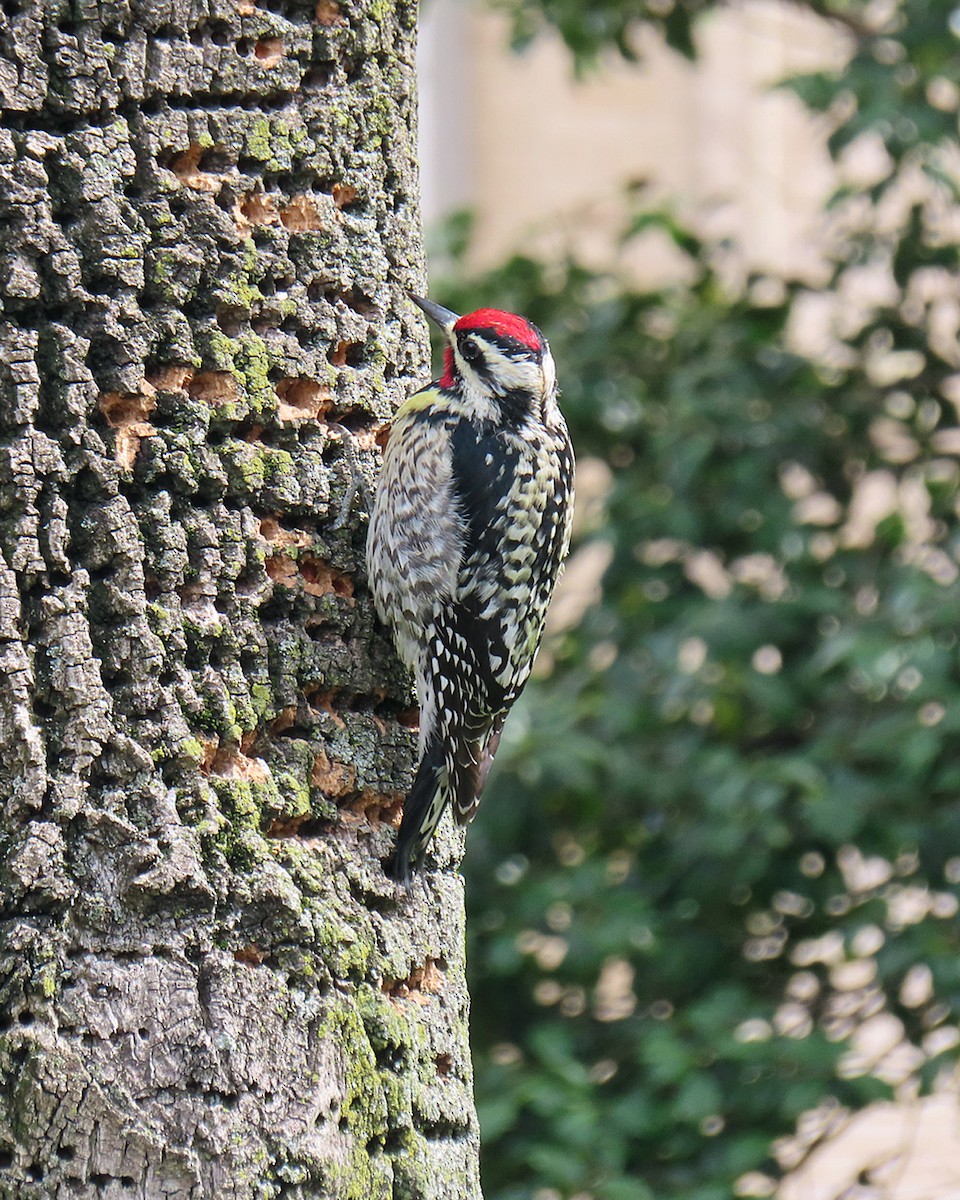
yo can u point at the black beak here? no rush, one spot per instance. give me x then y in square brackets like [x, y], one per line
[440, 316]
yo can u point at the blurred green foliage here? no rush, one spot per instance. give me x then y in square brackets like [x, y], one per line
[740, 770]
[589, 30]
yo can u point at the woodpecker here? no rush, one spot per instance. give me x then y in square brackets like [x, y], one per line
[469, 528]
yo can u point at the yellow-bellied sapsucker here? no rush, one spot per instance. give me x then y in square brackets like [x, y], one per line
[470, 525]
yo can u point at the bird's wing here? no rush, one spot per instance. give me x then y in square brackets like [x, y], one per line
[514, 546]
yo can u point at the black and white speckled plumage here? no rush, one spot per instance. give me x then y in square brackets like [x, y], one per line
[470, 526]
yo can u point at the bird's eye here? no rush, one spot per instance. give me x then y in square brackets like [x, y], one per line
[470, 352]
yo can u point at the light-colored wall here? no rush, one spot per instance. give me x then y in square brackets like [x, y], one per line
[519, 140]
[445, 70]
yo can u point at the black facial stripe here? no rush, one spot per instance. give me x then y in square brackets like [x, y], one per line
[507, 345]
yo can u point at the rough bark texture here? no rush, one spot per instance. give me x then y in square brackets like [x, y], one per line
[209, 987]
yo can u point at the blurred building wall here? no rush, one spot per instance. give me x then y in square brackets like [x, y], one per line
[539, 155]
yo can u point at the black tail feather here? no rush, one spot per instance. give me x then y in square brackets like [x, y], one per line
[422, 811]
[472, 761]
[464, 773]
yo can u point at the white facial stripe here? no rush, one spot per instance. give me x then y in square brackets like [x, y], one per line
[549, 373]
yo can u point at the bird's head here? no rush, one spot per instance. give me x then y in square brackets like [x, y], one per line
[499, 362]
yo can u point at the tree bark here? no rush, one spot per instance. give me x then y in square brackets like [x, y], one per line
[209, 986]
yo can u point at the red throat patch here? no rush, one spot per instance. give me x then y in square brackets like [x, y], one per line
[503, 324]
[448, 378]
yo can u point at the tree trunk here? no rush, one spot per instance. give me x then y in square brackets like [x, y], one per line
[209, 986]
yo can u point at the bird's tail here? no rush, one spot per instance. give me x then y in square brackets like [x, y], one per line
[422, 811]
[452, 769]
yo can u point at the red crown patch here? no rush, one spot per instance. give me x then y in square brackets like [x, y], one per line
[503, 324]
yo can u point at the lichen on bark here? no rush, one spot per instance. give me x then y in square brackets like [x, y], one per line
[208, 986]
